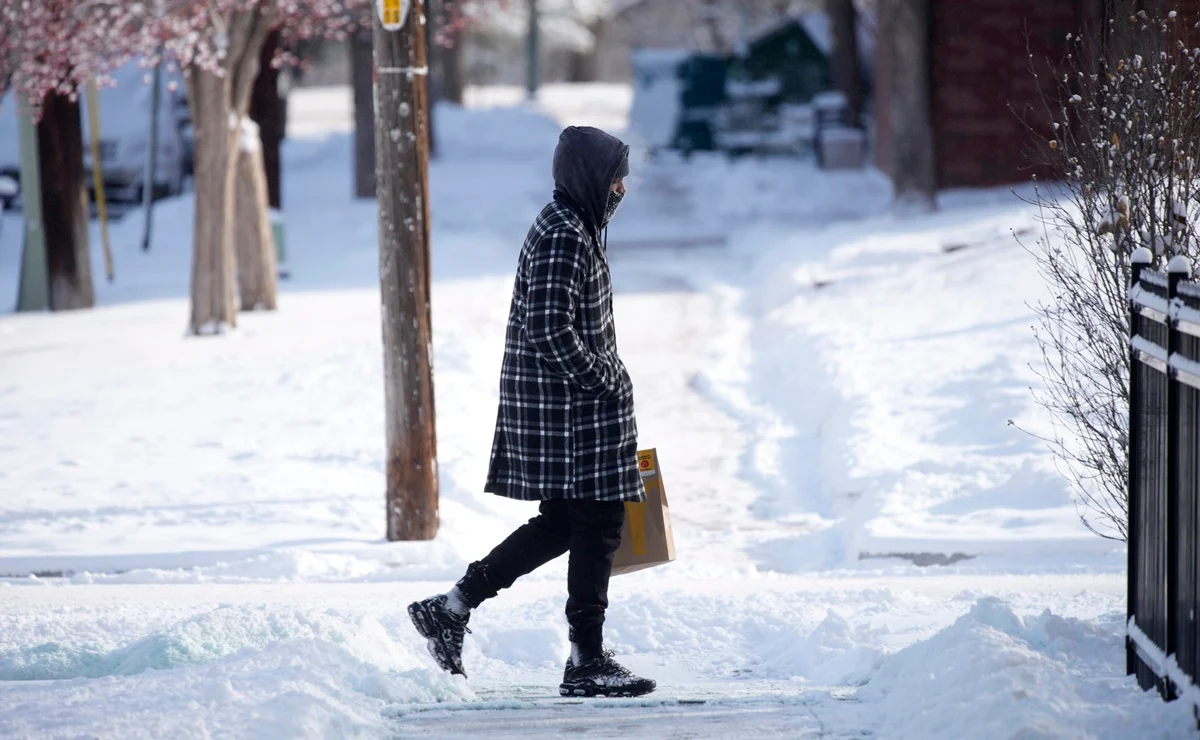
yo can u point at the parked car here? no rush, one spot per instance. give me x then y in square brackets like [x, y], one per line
[10, 145]
[8, 191]
[125, 137]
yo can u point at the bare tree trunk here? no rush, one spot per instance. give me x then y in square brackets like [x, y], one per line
[453, 81]
[914, 173]
[584, 66]
[219, 101]
[847, 76]
[214, 307]
[257, 270]
[266, 110]
[361, 72]
[65, 204]
[412, 483]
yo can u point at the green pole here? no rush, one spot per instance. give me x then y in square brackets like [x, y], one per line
[34, 293]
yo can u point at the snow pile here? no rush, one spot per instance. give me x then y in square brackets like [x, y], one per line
[227, 672]
[203, 638]
[993, 674]
[306, 688]
[498, 132]
[835, 653]
[889, 356]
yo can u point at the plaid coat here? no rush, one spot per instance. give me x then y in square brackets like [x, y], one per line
[565, 426]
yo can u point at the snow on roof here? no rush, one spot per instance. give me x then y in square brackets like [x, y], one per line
[646, 57]
[816, 24]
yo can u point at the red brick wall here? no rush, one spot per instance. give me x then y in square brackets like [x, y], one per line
[983, 87]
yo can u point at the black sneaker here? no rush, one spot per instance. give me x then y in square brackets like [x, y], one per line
[602, 676]
[444, 629]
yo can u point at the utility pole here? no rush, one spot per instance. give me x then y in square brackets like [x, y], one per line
[533, 70]
[151, 156]
[402, 176]
[34, 291]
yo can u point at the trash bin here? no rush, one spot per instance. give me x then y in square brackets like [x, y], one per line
[841, 148]
[277, 233]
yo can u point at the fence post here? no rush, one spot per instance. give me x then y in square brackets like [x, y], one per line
[1140, 260]
[1178, 269]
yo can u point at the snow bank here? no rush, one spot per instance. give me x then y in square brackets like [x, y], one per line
[993, 674]
[518, 131]
[888, 357]
[227, 672]
[307, 688]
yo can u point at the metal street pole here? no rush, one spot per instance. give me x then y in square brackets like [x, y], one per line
[402, 177]
[34, 291]
[93, 113]
[151, 156]
[533, 70]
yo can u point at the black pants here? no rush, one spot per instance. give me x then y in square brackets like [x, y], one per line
[590, 530]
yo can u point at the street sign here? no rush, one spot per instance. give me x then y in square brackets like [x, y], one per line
[392, 13]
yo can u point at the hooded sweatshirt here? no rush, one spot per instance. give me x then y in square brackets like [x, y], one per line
[586, 162]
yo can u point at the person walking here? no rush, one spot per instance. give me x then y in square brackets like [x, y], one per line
[565, 430]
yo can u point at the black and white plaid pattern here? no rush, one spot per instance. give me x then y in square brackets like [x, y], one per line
[565, 427]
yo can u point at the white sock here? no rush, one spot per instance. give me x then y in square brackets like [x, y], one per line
[574, 653]
[457, 603]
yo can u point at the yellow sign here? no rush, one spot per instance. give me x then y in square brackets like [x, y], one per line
[392, 13]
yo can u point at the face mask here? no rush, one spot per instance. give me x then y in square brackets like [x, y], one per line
[614, 202]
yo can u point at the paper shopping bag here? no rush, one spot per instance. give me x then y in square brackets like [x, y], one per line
[646, 539]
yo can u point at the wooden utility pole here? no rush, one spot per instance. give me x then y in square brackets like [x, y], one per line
[402, 177]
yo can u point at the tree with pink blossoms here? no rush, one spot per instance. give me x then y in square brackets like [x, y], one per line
[49, 49]
[218, 44]
[53, 47]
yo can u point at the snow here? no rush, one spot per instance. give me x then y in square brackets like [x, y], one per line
[191, 529]
[1147, 347]
[1180, 264]
[248, 137]
[1019, 678]
[654, 111]
[1162, 664]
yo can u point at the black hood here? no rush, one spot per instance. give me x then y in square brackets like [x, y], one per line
[585, 164]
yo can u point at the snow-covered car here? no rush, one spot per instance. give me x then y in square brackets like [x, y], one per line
[125, 136]
[10, 145]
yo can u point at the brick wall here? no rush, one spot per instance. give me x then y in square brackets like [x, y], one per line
[983, 90]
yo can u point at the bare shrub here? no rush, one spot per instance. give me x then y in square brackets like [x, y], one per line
[1124, 142]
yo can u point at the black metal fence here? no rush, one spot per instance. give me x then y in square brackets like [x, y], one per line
[1163, 635]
